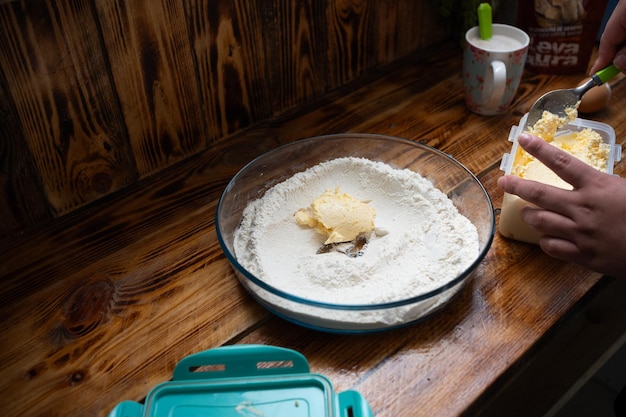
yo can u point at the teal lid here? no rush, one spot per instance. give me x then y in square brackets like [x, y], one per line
[248, 381]
[287, 397]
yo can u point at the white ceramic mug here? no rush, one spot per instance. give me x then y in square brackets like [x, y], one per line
[493, 68]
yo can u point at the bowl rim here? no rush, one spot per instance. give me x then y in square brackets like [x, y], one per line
[238, 268]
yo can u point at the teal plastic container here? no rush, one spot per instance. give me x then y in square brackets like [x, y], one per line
[246, 381]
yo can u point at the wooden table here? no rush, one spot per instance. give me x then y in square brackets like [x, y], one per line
[99, 306]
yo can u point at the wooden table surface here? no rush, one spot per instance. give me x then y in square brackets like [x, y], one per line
[98, 307]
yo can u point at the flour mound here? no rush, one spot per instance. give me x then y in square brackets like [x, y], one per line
[425, 244]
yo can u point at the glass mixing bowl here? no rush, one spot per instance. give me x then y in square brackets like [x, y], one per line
[449, 176]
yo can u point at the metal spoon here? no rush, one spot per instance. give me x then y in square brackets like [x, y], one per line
[557, 101]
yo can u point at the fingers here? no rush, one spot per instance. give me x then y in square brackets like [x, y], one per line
[605, 58]
[540, 194]
[613, 40]
[543, 195]
[559, 233]
[620, 59]
[549, 223]
[562, 249]
[569, 168]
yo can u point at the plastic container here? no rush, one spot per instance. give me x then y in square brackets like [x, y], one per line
[245, 380]
[511, 224]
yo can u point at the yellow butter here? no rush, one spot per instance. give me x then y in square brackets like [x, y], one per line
[550, 123]
[338, 216]
[586, 145]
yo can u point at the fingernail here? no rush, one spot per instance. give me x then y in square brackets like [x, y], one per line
[620, 61]
[523, 139]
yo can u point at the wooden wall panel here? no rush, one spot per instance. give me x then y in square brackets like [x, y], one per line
[55, 70]
[350, 47]
[227, 39]
[148, 45]
[23, 204]
[415, 26]
[297, 52]
[106, 92]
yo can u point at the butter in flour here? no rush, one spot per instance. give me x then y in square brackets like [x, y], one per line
[426, 243]
[338, 216]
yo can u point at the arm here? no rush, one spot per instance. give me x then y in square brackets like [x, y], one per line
[586, 225]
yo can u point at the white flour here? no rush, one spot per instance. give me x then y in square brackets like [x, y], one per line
[428, 241]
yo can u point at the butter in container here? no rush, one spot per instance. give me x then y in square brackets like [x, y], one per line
[593, 142]
[245, 380]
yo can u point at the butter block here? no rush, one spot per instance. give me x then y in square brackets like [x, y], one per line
[590, 141]
[338, 216]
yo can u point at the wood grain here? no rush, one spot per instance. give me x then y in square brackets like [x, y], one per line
[24, 205]
[57, 78]
[98, 306]
[106, 94]
[230, 57]
[154, 77]
[300, 70]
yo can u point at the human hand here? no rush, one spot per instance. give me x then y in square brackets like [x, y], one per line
[585, 225]
[612, 47]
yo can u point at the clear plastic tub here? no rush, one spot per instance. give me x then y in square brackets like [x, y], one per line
[511, 224]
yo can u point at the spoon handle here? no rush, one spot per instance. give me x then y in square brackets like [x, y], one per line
[484, 21]
[605, 74]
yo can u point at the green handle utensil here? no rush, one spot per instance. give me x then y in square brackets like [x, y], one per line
[558, 101]
[484, 21]
[605, 74]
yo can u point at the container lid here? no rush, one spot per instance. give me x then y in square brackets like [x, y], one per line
[295, 396]
[248, 381]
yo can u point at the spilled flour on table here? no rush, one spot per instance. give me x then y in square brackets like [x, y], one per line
[425, 244]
